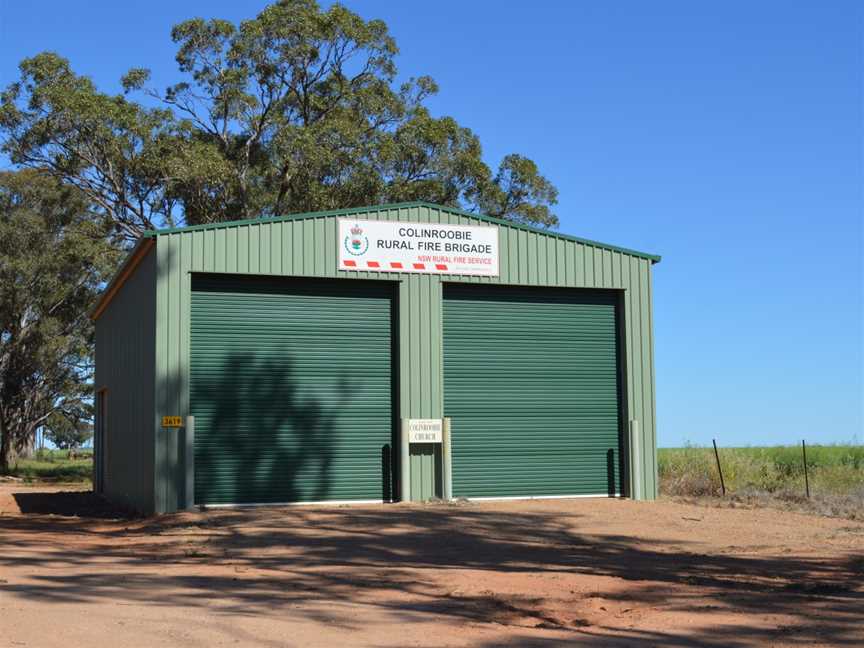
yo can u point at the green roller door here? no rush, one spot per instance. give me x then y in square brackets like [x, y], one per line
[531, 387]
[291, 389]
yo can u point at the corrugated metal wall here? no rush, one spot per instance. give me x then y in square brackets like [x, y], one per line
[307, 247]
[125, 365]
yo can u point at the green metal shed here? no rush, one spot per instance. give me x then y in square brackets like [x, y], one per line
[300, 345]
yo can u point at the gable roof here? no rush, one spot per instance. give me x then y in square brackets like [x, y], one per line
[654, 258]
[147, 241]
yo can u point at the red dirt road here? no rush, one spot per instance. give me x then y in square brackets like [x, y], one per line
[537, 573]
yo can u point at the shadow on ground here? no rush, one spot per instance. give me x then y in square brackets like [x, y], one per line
[78, 504]
[397, 558]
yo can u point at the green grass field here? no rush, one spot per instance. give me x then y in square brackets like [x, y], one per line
[770, 475]
[55, 466]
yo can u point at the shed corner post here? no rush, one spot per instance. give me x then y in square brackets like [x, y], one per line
[404, 463]
[446, 460]
[635, 461]
[189, 462]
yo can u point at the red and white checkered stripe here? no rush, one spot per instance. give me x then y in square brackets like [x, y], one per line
[392, 265]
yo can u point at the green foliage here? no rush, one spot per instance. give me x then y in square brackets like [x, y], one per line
[54, 257]
[520, 193]
[69, 430]
[294, 110]
[55, 466]
[109, 148]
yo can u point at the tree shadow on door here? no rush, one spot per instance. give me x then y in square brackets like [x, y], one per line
[262, 436]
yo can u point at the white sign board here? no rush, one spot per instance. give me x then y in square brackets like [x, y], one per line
[425, 431]
[393, 246]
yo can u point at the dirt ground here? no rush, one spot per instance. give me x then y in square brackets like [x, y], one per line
[532, 573]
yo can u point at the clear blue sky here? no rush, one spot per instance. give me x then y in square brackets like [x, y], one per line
[726, 136]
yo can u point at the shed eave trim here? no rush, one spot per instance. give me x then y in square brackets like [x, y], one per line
[133, 259]
[654, 258]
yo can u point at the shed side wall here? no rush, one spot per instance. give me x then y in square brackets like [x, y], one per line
[307, 248]
[125, 366]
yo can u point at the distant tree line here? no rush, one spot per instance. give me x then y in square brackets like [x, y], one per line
[298, 109]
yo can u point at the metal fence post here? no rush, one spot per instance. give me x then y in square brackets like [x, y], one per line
[719, 468]
[404, 464]
[446, 460]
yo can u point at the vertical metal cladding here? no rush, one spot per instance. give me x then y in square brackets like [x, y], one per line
[125, 359]
[306, 247]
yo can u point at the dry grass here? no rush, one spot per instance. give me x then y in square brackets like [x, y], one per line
[769, 476]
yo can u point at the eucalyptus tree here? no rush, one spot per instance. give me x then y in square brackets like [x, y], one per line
[297, 109]
[54, 258]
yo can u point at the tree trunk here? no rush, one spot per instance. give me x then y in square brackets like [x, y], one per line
[7, 451]
[25, 449]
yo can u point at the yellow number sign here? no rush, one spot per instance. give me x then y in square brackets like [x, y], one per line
[172, 421]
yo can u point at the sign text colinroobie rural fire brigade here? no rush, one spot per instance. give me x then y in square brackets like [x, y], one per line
[392, 246]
